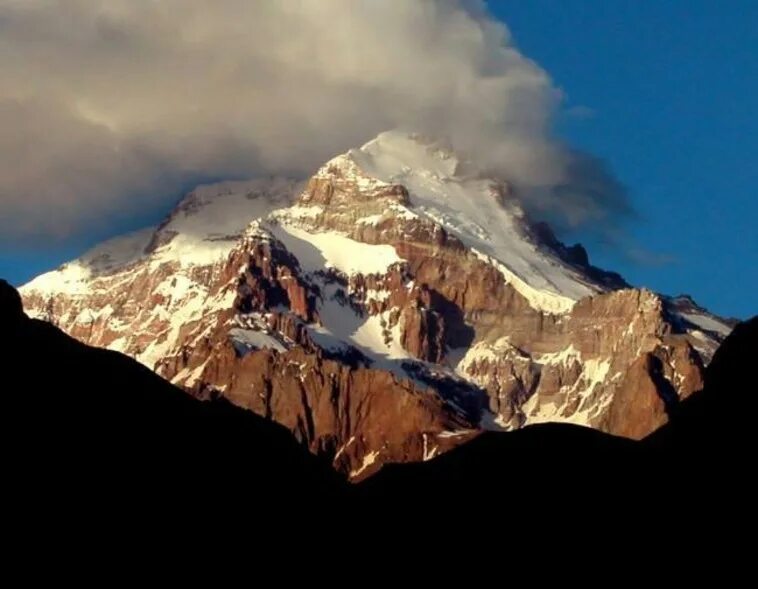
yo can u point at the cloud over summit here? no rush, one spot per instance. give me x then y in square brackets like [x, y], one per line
[109, 105]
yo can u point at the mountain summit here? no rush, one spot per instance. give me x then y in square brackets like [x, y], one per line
[396, 304]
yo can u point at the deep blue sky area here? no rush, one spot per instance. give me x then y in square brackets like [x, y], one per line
[672, 89]
[666, 93]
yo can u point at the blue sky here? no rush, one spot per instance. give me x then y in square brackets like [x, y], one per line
[672, 89]
[664, 92]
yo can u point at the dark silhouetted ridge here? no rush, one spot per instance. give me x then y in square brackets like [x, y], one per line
[91, 431]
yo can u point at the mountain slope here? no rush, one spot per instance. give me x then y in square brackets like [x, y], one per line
[134, 293]
[385, 311]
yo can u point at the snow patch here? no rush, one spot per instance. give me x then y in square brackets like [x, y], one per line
[342, 327]
[540, 299]
[708, 323]
[454, 434]
[206, 225]
[343, 448]
[246, 339]
[429, 453]
[317, 251]
[368, 460]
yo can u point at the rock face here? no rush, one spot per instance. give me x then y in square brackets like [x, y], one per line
[388, 309]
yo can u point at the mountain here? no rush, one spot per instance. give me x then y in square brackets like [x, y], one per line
[389, 309]
[93, 437]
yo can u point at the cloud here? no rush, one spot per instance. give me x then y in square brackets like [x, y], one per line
[107, 106]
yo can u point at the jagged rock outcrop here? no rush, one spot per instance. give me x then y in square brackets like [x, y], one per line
[384, 310]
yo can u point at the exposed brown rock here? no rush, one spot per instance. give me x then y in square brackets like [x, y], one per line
[637, 408]
[422, 327]
[359, 418]
[269, 278]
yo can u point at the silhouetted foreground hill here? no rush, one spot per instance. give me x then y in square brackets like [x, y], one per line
[86, 426]
[722, 416]
[701, 455]
[90, 429]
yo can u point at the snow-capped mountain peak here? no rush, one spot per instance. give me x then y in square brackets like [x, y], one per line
[385, 309]
[479, 211]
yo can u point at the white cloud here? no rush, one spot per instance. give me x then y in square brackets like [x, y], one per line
[107, 103]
